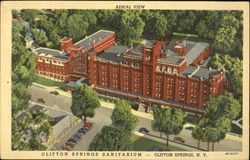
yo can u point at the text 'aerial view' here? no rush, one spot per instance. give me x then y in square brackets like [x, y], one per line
[126, 80]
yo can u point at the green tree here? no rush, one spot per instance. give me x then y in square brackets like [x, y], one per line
[131, 27]
[29, 14]
[197, 133]
[223, 105]
[233, 70]
[109, 18]
[187, 21]
[84, 101]
[226, 35]
[122, 117]
[39, 37]
[156, 25]
[111, 138]
[27, 133]
[77, 27]
[217, 119]
[168, 121]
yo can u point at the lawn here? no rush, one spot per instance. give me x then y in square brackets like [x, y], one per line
[145, 144]
[48, 82]
[191, 37]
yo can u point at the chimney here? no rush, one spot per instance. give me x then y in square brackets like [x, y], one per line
[65, 43]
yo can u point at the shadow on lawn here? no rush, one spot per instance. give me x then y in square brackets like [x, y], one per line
[176, 142]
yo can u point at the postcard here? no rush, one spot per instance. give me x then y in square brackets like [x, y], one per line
[124, 80]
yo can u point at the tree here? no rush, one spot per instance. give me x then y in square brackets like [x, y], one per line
[233, 71]
[84, 102]
[39, 36]
[217, 118]
[187, 21]
[29, 14]
[111, 138]
[27, 133]
[226, 35]
[168, 121]
[197, 133]
[122, 117]
[156, 25]
[131, 27]
[109, 17]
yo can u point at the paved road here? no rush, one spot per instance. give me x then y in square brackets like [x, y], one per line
[98, 121]
[103, 118]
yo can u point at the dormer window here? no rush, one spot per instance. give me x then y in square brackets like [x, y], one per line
[163, 69]
[169, 70]
[158, 69]
[175, 71]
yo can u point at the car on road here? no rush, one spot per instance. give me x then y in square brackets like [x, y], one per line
[54, 92]
[83, 130]
[66, 147]
[189, 128]
[72, 139]
[40, 100]
[179, 139]
[69, 143]
[88, 125]
[144, 130]
[77, 135]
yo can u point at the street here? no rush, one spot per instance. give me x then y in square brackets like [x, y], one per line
[102, 117]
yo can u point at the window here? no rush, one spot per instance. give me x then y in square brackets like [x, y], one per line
[169, 70]
[175, 71]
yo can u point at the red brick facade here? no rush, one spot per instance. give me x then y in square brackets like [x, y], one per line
[147, 78]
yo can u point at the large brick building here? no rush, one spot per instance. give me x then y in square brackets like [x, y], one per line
[166, 72]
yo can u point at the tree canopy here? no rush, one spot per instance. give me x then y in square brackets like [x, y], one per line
[111, 138]
[122, 117]
[84, 101]
[168, 121]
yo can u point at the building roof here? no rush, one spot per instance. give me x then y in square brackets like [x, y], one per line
[54, 53]
[20, 116]
[57, 119]
[198, 72]
[90, 40]
[35, 108]
[195, 51]
[113, 54]
[134, 53]
[173, 60]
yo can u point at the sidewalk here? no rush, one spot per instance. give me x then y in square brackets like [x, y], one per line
[136, 113]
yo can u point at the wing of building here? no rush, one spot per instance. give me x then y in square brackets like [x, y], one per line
[166, 72]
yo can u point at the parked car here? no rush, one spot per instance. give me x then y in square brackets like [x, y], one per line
[143, 130]
[40, 100]
[179, 139]
[72, 139]
[54, 92]
[189, 128]
[69, 143]
[83, 130]
[77, 135]
[66, 147]
[88, 125]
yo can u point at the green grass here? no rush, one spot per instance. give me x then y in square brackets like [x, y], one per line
[145, 144]
[191, 37]
[48, 82]
[185, 35]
